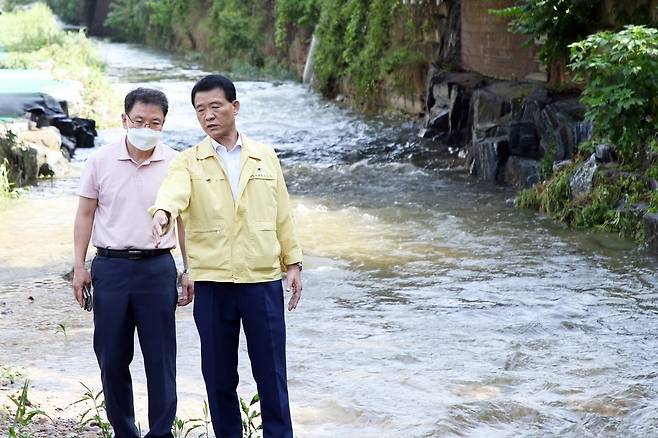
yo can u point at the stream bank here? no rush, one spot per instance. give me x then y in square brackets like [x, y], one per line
[53, 94]
[512, 117]
[432, 306]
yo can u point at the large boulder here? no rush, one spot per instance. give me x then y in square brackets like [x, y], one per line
[48, 137]
[570, 135]
[438, 124]
[561, 125]
[489, 111]
[583, 178]
[32, 153]
[523, 140]
[23, 164]
[49, 162]
[497, 104]
[605, 153]
[448, 118]
[488, 158]
[522, 172]
[651, 231]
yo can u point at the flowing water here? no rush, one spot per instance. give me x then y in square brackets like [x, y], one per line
[432, 307]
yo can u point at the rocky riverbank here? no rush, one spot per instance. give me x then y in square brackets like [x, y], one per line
[520, 133]
[30, 153]
[56, 80]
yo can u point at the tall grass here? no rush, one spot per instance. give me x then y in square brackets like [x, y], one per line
[29, 29]
[33, 41]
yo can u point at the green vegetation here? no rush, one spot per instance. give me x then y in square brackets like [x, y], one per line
[70, 11]
[182, 428]
[366, 47]
[233, 34]
[146, 21]
[7, 187]
[250, 415]
[294, 14]
[29, 30]
[9, 167]
[10, 373]
[556, 23]
[61, 328]
[23, 414]
[620, 93]
[206, 421]
[95, 412]
[33, 40]
[621, 88]
[615, 203]
[237, 32]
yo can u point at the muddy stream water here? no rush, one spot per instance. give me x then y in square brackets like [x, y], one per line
[432, 306]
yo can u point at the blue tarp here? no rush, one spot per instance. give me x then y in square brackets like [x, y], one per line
[26, 81]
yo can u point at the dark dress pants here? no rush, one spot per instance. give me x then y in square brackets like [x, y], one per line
[140, 294]
[218, 310]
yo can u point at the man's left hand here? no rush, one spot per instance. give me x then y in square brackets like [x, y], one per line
[294, 285]
[187, 286]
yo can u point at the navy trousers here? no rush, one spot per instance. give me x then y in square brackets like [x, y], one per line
[218, 310]
[140, 294]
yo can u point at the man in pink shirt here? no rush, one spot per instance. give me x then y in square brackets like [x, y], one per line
[134, 282]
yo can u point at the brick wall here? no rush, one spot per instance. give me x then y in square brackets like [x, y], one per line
[489, 48]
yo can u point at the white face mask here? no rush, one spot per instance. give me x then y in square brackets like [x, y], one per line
[143, 139]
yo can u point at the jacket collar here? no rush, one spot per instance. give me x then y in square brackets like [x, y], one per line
[205, 148]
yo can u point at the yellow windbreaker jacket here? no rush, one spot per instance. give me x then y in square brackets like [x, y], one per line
[248, 240]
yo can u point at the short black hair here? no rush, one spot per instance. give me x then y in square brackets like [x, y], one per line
[147, 96]
[211, 82]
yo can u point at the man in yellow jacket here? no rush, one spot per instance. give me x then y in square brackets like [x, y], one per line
[230, 193]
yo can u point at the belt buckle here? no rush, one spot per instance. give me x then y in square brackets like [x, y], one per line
[134, 254]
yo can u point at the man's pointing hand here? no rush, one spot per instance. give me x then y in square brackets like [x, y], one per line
[160, 220]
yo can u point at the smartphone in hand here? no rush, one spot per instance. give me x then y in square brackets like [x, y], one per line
[87, 298]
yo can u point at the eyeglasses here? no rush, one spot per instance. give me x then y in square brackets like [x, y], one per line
[141, 124]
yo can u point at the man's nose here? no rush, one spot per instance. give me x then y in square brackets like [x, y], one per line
[209, 116]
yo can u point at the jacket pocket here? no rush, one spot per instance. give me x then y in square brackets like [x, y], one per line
[267, 250]
[207, 247]
[207, 178]
[210, 195]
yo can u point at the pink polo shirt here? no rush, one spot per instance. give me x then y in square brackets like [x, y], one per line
[125, 190]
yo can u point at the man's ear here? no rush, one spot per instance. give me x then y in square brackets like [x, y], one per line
[124, 121]
[236, 106]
